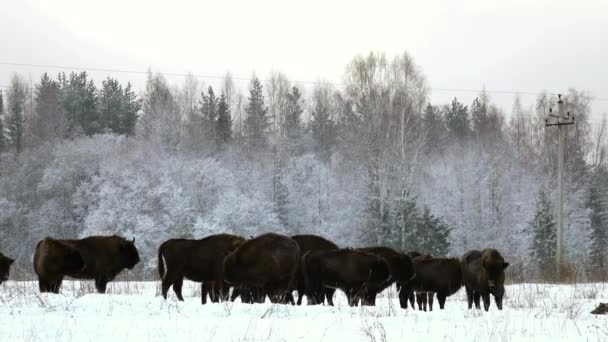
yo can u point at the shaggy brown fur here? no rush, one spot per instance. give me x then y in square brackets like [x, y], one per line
[5, 267]
[100, 258]
[358, 274]
[267, 264]
[198, 260]
[313, 243]
[483, 274]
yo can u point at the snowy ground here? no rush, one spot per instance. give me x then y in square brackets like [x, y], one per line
[134, 312]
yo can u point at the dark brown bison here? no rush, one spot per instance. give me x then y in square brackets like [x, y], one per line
[358, 274]
[267, 264]
[483, 274]
[5, 267]
[198, 260]
[100, 258]
[442, 276]
[420, 297]
[313, 243]
[400, 266]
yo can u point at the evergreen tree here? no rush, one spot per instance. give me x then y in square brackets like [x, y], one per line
[111, 105]
[405, 217]
[293, 117]
[129, 114]
[2, 142]
[542, 228]
[224, 121]
[257, 121]
[79, 97]
[433, 126]
[16, 107]
[209, 112]
[321, 125]
[50, 122]
[598, 211]
[457, 120]
[432, 234]
[479, 116]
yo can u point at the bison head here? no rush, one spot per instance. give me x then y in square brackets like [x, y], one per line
[128, 253]
[5, 265]
[494, 265]
[231, 269]
[405, 268]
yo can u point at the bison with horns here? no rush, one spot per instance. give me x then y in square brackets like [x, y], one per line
[100, 258]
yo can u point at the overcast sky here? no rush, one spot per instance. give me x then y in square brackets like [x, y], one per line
[524, 46]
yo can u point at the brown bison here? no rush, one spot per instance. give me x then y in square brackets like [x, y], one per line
[5, 266]
[442, 276]
[313, 243]
[420, 297]
[400, 265]
[483, 274]
[267, 264]
[358, 274]
[198, 260]
[100, 258]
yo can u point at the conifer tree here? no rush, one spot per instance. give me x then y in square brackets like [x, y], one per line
[457, 120]
[224, 121]
[321, 125]
[16, 107]
[598, 211]
[1, 121]
[111, 105]
[50, 122]
[257, 120]
[129, 114]
[79, 97]
[542, 228]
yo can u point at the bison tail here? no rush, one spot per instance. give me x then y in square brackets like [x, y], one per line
[161, 261]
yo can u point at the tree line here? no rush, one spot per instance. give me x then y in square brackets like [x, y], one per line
[372, 161]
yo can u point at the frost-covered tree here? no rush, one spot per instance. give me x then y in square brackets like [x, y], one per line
[321, 125]
[224, 121]
[49, 122]
[257, 121]
[2, 138]
[79, 98]
[543, 232]
[17, 105]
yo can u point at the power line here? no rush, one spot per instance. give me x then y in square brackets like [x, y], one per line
[208, 76]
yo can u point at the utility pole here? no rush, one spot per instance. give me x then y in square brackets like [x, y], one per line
[561, 121]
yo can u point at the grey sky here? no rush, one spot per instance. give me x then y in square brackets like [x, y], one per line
[516, 45]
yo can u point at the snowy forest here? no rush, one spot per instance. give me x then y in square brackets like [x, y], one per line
[370, 161]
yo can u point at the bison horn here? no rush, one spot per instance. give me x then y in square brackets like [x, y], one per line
[133, 240]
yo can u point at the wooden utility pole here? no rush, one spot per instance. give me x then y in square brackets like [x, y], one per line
[561, 121]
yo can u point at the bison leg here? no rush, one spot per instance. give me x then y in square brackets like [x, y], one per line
[177, 288]
[204, 292]
[329, 294]
[45, 285]
[236, 291]
[100, 284]
[404, 295]
[476, 298]
[441, 298]
[430, 295]
[469, 297]
[165, 286]
[421, 298]
[498, 300]
[486, 301]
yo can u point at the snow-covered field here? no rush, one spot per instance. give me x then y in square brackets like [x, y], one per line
[134, 311]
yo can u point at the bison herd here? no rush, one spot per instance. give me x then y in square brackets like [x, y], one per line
[275, 266]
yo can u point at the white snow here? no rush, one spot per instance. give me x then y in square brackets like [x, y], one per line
[134, 311]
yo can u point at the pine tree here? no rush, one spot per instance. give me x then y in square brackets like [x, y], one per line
[2, 142]
[209, 112]
[257, 121]
[405, 217]
[598, 206]
[79, 97]
[224, 121]
[321, 125]
[542, 228]
[479, 116]
[111, 105]
[50, 122]
[16, 107]
[433, 126]
[129, 114]
[457, 120]
[432, 234]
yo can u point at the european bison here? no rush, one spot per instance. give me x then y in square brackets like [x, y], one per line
[313, 243]
[96, 257]
[442, 276]
[198, 260]
[358, 274]
[420, 297]
[5, 266]
[267, 264]
[483, 274]
[400, 266]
